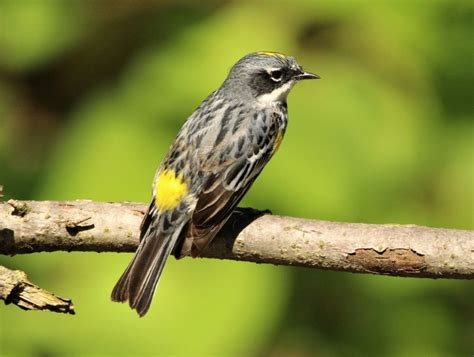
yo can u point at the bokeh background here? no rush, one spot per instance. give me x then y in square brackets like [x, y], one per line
[93, 92]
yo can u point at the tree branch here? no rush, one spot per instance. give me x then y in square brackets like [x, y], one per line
[16, 289]
[249, 235]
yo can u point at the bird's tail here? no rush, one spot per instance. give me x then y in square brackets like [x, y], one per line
[138, 282]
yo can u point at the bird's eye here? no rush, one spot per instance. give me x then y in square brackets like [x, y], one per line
[276, 75]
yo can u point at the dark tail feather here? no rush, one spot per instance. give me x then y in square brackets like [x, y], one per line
[138, 282]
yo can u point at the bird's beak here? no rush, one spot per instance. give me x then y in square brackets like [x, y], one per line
[306, 75]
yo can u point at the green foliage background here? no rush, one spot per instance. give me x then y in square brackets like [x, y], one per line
[92, 94]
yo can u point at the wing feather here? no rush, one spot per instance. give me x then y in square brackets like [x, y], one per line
[225, 186]
[220, 196]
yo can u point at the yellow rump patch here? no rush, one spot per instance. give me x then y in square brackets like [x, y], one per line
[271, 54]
[170, 190]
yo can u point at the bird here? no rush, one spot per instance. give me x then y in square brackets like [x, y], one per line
[214, 160]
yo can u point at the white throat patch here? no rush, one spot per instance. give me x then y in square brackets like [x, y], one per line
[277, 95]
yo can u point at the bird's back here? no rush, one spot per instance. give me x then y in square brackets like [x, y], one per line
[221, 149]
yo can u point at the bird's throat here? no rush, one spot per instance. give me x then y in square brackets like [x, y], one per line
[277, 95]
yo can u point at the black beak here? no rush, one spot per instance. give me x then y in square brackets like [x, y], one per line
[306, 75]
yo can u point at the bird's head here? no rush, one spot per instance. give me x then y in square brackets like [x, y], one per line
[266, 76]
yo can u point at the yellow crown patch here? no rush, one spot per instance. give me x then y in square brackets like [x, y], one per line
[271, 54]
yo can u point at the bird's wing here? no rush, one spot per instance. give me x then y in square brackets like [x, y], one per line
[225, 187]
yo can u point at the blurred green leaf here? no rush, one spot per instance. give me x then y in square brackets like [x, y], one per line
[33, 32]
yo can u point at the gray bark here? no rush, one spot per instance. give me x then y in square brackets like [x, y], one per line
[250, 235]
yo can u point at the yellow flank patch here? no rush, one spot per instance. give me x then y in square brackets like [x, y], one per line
[170, 190]
[278, 141]
[272, 54]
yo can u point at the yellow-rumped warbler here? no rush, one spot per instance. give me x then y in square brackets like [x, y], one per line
[217, 155]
